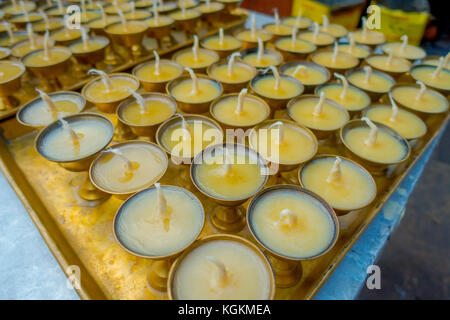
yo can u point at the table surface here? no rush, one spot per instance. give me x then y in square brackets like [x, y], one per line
[28, 269]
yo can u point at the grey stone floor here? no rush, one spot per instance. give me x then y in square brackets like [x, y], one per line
[415, 263]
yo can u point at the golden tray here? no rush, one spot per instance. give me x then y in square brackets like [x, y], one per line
[69, 82]
[81, 235]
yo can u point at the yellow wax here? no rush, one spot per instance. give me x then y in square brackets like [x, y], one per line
[21, 49]
[396, 65]
[197, 140]
[55, 11]
[247, 275]
[53, 25]
[409, 52]
[158, 110]
[28, 5]
[354, 100]
[335, 30]
[111, 172]
[376, 82]
[241, 181]
[371, 37]
[229, 43]
[321, 39]
[120, 89]
[280, 30]
[342, 61]
[213, 7]
[10, 70]
[98, 23]
[188, 14]
[386, 149]
[92, 45]
[167, 71]
[354, 188]
[6, 41]
[88, 16]
[38, 58]
[167, 7]
[39, 114]
[129, 28]
[162, 21]
[112, 9]
[308, 76]
[267, 60]
[66, 35]
[425, 74]
[205, 59]
[296, 145]
[143, 3]
[431, 101]
[310, 235]
[93, 136]
[253, 111]
[406, 123]
[302, 23]
[3, 26]
[4, 52]
[357, 51]
[208, 90]
[241, 73]
[331, 117]
[137, 15]
[266, 87]
[246, 35]
[141, 228]
[299, 46]
[32, 17]
[435, 62]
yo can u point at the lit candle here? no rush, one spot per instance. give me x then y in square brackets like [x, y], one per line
[196, 58]
[404, 50]
[344, 184]
[128, 167]
[144, 229]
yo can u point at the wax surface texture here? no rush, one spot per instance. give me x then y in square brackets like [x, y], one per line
[308, 76]
[425, 74]
[157, 110]
[298, 46]
[430, 101]
[205, 59]
[376, 82]
[287, 89]
[9, 71]
[38, 58]
[253, 111]
[120, 89]
[396, 64]
[240, 73]
[355, 99]
[267, 60]
[168, 71]
[207, 91]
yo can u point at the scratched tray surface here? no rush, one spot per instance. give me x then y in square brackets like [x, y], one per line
[80, 234]
[76, 75]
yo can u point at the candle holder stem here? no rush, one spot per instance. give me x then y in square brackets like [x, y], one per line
[287, 273]
[228, 219]
[158, 275]
[122, 132]
[89, 192]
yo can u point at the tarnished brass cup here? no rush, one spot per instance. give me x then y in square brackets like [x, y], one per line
[275, 103]
[93, 56]
[268, 51]
[309, 88]
[393, 74]
[289, 55]
[320, 134]
[288, 270]
[445, 92]
[202, 69]
[98, 28]
[375, 168]
[131, 40]
[212, 14]
[192, 107]
[70, 95]
[218, 237]
[189, 24]
[374, 95]
[9, 87]
[140, 129]
[155, 86]
[339, 211]
[229, 87]
[222, 53]
[126, 194]
[247, 44]
[160, 31]
[158, 275]
[87, 190]
[228, 215]
[355, 61]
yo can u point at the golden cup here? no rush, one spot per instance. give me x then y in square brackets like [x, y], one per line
[192, 107]
[4, 53]
[92, 57]
[289, 55]
[144, 130]
[160, 32]
[87, 191]
[212, 15]
[159, 274]
[150, 86]
[132, 40]
[189, 24]
[393, 74]
[222, 53]
[247, 44]
[217, 237]
[375, 168]
[98, 28]
[268, 51]
[228, 215]
[10, 86]
[336, 69]
[20, 21]
[288, 270]
[230, 87]
[230, 5]
[309, 88]
[200, 51]
[445, 92]
[374, 95]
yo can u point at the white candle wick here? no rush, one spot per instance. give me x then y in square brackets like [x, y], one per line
[344, 85]
[184, 127]
[60, 6]
[85, 38]
[122, 19]
[404, 38]
[370, 141]
[287, 218]
[276, 16]
[389, 58]
[364, 27]
[300, 68]
[133, 9]
[155, 12]
[335, 53]
[140, 100]
[297, 20]
[157, 63]
[161, 201]
[319, 106]
[260, 51]
[439, 68]
[276, 74]
[9, 30]
[119, 153]
[422, 90]
[280, 125]
[335, 172]
[67, 128]
[195, 48]
[194, 79]
[47, 45]
[49, 102]
[352, 42]
[14, 3]
[24, 11]
[315, 31]
[253, 26]
[221, 37]
[31, 36]
[394, 113]
[105, 78]
[294, 36]
[240, 101]
[368, 71]
[231, 61]
[45, 17]
[325, 22]
[221, 277]
[83, 7]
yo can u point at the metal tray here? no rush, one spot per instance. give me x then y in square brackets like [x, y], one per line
[82, 236]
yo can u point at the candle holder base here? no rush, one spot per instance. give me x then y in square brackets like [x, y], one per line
[228, 219]
[8, 102]
[158, 275]
[287, 273]
[123, 133]
[89, 192]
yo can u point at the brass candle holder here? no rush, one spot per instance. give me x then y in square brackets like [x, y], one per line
[393, 74]
[309, 36]
[375, 168]
[218, 237]
[10, 85]
[188, 23]
[90, 57]
[131, 40]
[373, 94]
[20, 21]
[339, 211]
[228, 215]
[302, 23]
[148, 84]
[193, 107]
[158, 275]
[230, 5]
[197, 69]
[6, 41]
[289, 67]
[87, 191]
[4, 53]
[97, 27]
[65, 37]
[211, 15]
[288, 270]
[53, 25]
[444, 91]
[248, 43]
[231, 87]
[144, 130]
[292, 54]
[354, 61]
[254, 51]
[377, 38]
[278, 34]
[222, 53]
[21, 48]
[161, 30]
